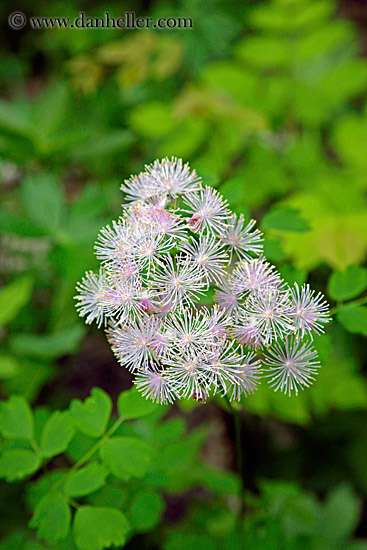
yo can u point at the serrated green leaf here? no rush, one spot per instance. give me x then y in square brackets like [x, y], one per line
[52, 517]
[285, 219]
[87, 480]
[18, 463]
[131, 404]
[126, 457]
[353, 319]
[13, 297]
[16, 418]
[344, 285]
[56, 434]
[145, 511]
[92, 416]
[97, 528]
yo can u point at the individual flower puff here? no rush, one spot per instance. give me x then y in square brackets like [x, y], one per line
[175, 248]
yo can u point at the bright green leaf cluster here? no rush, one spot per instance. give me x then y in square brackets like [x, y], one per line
[120, 466]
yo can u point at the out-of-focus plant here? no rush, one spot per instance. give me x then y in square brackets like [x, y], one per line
[134, 60]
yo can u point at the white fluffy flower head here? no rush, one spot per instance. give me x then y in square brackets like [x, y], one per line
[175, 247]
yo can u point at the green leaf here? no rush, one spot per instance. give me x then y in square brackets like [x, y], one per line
[87, 480]
[345, 81]
[344, 285]
[292, 275]
[353, 319]
[47, 346]
[16, 418]
[97, 528]
[14, 118]
[110, 496]
[13, 297]
[80, 445]
[92, 416]
[152, 120]
[56, 434]
[131, 404]
[264, 52]
[273, 250]
[42, 486]
[18, 463]
[349, 138]
[285, 219]
[29, 379]
[219, 481]
[145, 511]
[178, 540]
[9, 367]
[341, 513]
[41, 415]
[126, 457]
[103, 145]
[14, 541]
[43, 201]
[274, 16]
[50, 108]
[52, 517]
[17, 225]
[185, 139]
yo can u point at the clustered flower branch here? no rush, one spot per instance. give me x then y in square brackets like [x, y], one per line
[176, 241]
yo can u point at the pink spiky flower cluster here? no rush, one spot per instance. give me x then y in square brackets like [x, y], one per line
[175, 244]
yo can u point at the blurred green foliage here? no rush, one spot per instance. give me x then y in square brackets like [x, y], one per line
[267, 100]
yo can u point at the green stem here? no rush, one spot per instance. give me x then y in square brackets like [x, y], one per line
[35, 447]
[355, 303]
[89, 453]
[73, 502]
[239, 457]
[238, 439]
